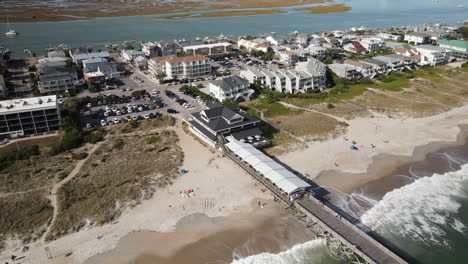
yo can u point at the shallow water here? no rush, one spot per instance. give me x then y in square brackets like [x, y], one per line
[98, 32]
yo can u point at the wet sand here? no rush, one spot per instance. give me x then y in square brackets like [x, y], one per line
[69, 10]
[200, 239]
[226, 14]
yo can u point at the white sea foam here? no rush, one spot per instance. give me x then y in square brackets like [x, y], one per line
[302, 253]
[423, 209]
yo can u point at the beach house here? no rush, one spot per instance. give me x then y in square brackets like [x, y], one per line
[317, 51]
[354, 47]
[233, 87]
[396, 62]
[346, 71]
[426, 50]
[29, 116]
[100, 65]
[364, 69]
[394, 37]
[250, 45]
[150, 49]
[288, 57]
[275, 40]
[378, 66]
[180, 67]
[80, 54]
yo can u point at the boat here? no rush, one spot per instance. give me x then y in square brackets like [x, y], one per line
[198, 38]
[10, 32]
[460, 6]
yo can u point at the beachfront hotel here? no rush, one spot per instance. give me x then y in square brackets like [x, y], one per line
[180, 67]
[29, 116]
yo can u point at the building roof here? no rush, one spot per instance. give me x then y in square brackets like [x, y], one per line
[418, 34]
[455, 43]
[219, 115]
[373, 62]
[28, 104]
[431, 48]
[357, 63]
[180, 59]
[288, 52]
[54, 70]
[342, 66]
[231, 82]
[223, 44]
[56, 53]
[94, 60]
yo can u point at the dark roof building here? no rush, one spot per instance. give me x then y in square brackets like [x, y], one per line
[220, 120]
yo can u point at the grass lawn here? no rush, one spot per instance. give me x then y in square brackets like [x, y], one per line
[269, 110]
[395, 86]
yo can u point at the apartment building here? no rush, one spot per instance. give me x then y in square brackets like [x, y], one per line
[418, 38]
[372, 44]
[364, 69]
[317, 51]
[29, 116]
[232, 87]
[180, 67]
[389, 36]
[396, 62]
[308, 75]
[346, 71]
[56, 77]
[429, 49]
[288, 57]
[208, 49]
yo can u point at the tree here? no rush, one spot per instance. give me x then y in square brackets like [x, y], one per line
[91, 87]
[160, 76]
[257, 86]
[229, 102]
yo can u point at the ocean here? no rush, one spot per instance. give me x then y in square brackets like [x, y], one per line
[110, 30]
[425, 214]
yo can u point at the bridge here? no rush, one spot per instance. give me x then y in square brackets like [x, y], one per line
[344, 238]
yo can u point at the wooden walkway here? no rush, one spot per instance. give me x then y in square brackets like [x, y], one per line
[360, 242]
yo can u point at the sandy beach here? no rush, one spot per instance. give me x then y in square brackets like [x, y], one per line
[221, 188]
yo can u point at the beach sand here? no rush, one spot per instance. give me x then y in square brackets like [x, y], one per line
[222, 189]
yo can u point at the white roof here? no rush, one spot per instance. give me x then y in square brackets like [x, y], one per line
[284, 179]
[28, 104]
[223, 44]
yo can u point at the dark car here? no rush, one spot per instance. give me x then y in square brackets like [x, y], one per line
[172, 111]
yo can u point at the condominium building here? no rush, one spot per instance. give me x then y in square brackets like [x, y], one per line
[364, 69]
[253, 45]
[378, 66]
[390, 36]
[429, 49]
[29, 116]
[459, 48]
[56, 77]
[309, 75]
[208, 49]
[232, 87]
[180, 67]
[288, 57]
[396, 62]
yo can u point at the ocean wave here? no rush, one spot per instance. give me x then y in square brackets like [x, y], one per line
[423, 210]
[301, 253]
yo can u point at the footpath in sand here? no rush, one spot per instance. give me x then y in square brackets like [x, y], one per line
[220, 188]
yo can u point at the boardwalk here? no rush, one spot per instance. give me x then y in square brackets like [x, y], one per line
[360, 242]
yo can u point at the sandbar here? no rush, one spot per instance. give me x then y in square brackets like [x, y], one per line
[226, 14]
[325, 9]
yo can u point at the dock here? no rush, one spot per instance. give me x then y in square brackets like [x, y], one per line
[344, 238]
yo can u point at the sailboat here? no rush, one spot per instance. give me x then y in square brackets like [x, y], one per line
[10, 32]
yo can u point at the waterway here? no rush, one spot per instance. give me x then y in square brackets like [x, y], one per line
[97, 32]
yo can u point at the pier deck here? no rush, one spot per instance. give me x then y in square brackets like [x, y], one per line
[360, 242]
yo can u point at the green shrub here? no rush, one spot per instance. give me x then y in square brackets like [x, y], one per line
[330, 106]
[153, 140]
[79, 156]
[119, 144]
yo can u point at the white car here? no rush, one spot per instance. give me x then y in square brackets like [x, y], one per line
[88, 125]
[146, 116]
[140, 109]
[103, 122]
[129, 110]
[118, 112]
[89, 105]
[106, 113]
[116, 121]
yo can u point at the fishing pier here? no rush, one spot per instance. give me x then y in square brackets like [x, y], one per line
[346, 237]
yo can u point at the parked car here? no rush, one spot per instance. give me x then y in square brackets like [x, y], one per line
[172, 111]
[146, 116]
[103, 122]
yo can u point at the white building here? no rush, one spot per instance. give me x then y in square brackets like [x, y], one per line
[208, 49]
[288, 57]
[428, 49]
[372, 44]
[100, 65]
[317, 51]
[418, 38]
[180, 67]
[130, 55]
[232, 87]
[309, 75]
[29, 116]
[346, 71]
[253, 45]
[275, 40]
[364, 69]
[390, 36]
